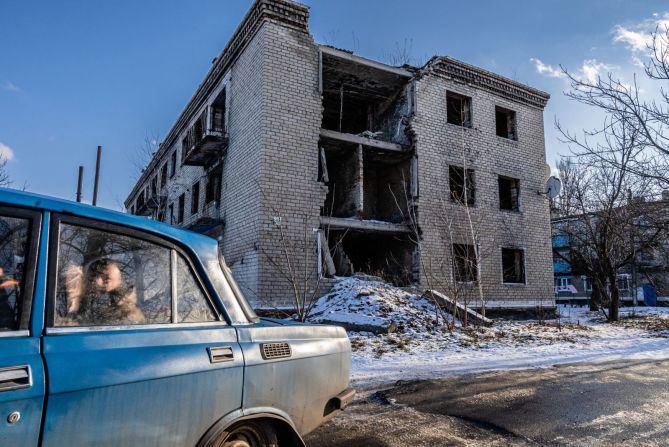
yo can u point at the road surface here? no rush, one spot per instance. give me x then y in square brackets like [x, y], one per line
[605, 404]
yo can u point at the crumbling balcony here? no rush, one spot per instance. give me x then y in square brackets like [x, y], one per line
[151, 205]
[206, 147]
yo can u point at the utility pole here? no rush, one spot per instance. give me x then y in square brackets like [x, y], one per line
[80, 183]
[97, 176]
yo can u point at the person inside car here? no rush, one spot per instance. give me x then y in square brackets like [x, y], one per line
[101, 296]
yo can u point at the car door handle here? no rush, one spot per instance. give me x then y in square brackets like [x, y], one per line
[219, 354]
[15, 378]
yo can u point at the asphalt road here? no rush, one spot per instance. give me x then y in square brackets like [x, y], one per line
[605, 404]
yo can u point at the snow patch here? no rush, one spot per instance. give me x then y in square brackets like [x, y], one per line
[420, 346]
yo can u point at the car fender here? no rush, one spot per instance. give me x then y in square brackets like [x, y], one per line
[288, 436]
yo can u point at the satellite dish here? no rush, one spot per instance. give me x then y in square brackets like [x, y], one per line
[553, 187]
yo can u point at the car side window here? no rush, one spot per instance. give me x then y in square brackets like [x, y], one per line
[192, 304]
[105, 278]
[14, 234]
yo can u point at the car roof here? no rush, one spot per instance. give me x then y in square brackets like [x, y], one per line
[41, 202]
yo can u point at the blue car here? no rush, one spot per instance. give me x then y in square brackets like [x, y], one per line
[116, 330]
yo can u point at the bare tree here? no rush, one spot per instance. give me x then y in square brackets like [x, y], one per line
[401, 54]
[605, 217]
[5, 180]
[294, 251]
[626, 108]
[141, 158]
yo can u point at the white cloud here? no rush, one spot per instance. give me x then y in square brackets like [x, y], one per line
[6, 152]
[589, 71]
[638, 37]
[547, 70]
[637, 41]
[11, 87]
[593, 69]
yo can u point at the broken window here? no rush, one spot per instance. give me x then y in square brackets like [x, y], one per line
[199, 128]
[509, 193]
[154, 186]
[505, 123]
[465, 267]
[185, 146]
[180, 208]
[163, 176]
[461, 182]
[140, 200]
[171, 211]
[513, 266]
[195, 198]
[458, 109]
[173, 164]
[217, 113]
[213, 188]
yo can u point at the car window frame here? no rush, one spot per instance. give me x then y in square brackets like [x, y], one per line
[34, 218]
[174, 248]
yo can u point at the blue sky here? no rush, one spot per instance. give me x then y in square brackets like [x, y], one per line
[75, 74]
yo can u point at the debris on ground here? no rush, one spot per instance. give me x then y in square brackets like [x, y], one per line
[399, 333]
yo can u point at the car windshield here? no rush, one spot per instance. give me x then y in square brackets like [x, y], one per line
[236, 290]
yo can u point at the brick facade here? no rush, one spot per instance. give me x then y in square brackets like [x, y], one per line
[273, 197]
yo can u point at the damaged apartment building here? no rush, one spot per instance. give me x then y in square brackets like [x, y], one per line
[429, 175]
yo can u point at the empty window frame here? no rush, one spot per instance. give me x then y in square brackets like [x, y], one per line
[513, 266]
[465, 267]
[180, 208]
[587, 284]
[195, 198]
[458, 109]
[509, 193]
[173, 164]
[562, 282]
[505, 123]
[213, 188]
[185, 145]
[624, 282]
[462, 185]
[154, 186]
[217, 113]
[163, 176]
[171, 212]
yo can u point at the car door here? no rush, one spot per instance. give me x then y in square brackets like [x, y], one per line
[21, 369]
[136, 351]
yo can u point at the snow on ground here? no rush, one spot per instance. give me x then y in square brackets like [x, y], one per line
[421, 348]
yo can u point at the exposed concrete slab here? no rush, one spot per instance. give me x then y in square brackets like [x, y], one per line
[364, 61]
[366, 225]
[356, 139]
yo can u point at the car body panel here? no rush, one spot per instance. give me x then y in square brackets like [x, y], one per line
[159, 385]
[301, 385]
[28, 402]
